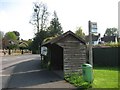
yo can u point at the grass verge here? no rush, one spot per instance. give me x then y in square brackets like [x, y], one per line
[104, 77]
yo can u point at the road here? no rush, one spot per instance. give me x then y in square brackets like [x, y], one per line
[9, 64]
[25, 72]
[8, 61]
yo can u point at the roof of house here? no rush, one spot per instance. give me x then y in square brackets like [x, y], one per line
[62, 36]
[94, 37]
[108, 38]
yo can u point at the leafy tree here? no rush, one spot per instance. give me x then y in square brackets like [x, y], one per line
[37, 41]
[17, 34]
[55, 26]
[10, 36]
[111, 32]
[29, 44]
[10, 41]
[80, 33]
[1, 37]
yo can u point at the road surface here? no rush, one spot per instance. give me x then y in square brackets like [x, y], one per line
[10, 62]
[25, 72]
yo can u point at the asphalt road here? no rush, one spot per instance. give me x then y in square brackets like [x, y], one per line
[9, 63]
[25, 72]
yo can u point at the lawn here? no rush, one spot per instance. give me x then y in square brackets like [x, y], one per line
[104, 77]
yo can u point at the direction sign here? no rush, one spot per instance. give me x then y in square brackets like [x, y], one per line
[93, 27]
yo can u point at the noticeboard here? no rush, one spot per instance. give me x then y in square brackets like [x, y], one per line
[44, 50]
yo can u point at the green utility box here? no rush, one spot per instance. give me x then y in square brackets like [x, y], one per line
[87, 73]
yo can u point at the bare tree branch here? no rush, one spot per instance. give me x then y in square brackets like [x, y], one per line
[40, 16]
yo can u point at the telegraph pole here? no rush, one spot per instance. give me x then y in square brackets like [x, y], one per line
[90, 43]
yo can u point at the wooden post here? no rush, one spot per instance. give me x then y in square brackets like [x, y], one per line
[90, 44]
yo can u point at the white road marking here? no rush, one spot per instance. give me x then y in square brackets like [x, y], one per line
[26, 72]
[5, 75]
[4, 59]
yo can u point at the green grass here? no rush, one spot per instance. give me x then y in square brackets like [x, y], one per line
[104, 77]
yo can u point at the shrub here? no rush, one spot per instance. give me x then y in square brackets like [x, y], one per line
[77, 80]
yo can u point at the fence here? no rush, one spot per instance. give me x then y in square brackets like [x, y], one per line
[105, 56]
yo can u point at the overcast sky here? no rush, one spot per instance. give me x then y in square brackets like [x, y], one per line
[16, 14]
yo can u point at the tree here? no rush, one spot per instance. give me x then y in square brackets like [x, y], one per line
[80, 33]
[39, 20]
[37, 41]
[17, 34]
[10, 41]
[1, 37]
[10, 36]
[55, 27]
[111, 32]
[29, 42]
[40, 16]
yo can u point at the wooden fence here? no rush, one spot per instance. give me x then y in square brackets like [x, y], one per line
[106, 56]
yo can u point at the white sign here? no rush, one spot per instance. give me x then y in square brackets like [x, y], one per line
[44, 50]
[93, 27]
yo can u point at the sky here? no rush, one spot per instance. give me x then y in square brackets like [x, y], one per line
[16, 14]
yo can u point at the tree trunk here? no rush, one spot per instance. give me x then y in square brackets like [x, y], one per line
[9, 52]
[22, 51]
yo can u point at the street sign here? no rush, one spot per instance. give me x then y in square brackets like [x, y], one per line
[93, 27]
[44, 50]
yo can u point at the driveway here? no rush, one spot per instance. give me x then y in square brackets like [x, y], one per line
[28, 74]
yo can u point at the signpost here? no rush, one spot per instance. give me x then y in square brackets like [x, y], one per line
[119, 19]
[92, 26]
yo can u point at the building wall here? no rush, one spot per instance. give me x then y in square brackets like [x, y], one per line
[74, 54]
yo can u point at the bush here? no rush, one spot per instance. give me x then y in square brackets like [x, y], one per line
[111, 44]
[45, 63]
[77, 80]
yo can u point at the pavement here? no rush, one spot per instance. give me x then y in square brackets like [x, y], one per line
[28, 74]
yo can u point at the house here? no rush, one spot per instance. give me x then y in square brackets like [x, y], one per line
[66, 53]
[109, 39]
[95, 39]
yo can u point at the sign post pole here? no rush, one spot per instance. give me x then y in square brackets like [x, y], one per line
[90, 44]
[92, 26]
